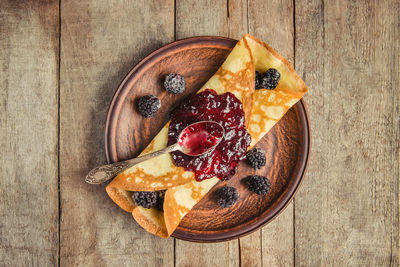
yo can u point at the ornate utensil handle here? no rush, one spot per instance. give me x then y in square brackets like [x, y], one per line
[104, 173]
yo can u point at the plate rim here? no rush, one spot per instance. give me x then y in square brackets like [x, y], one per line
[147, 60]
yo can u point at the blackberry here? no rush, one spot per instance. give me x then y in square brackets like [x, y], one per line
[256, 158]
[227, 196]
[148, 105]
[160, 200]
[258, 184]
[175, 83]
[258, 80]
[270, 79]
[145, 199]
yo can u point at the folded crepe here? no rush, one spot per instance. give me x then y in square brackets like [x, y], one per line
[263, 109]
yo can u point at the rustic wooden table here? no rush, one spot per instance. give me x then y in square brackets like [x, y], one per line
[61, 63]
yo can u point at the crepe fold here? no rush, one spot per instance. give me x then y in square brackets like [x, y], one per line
[263, 109]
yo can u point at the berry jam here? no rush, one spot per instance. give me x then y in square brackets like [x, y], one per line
[224, 109]
[197, 138]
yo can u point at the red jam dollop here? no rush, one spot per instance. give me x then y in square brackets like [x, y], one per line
[197, 138]
[224, 109]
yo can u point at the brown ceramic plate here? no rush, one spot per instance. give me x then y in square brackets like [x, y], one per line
[287, 145]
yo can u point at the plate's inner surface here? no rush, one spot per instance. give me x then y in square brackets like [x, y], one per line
[285, 144]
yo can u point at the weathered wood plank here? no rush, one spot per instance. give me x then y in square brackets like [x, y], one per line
[203, 17]
[250, 249]
[214, 254]
[100, 42]
[277, 240]
[272, 22]
[237, 18]
[194, 18]
[347, 212]
[28, 133]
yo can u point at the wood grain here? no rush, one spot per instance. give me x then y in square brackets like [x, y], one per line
[100, 42]
[237, 18]
[250, 249]
[199, 18]
[347, 212]
[28, 133]
[214, 254]
[210, 18]
[272, 22]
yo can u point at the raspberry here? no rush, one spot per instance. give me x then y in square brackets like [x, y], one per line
[256, 158]
[270, 79]
[258, 184]
[227, 196]
[175, 83]
[148, 105]
[145, 199]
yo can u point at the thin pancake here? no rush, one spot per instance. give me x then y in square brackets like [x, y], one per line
[263, 108]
